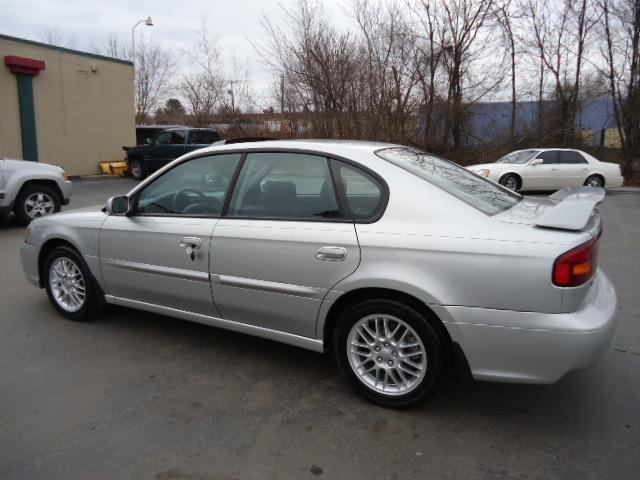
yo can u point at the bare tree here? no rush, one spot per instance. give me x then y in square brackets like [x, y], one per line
[318, 64]
[238, 95]
[428, 60]
[415, 68]
[153, 69]
[388, 77]
[560, 37]
[114, 47]
[53, 36]
[621, 28]
[462, 23]
[203, 86]
[504, 16]
[536, 15]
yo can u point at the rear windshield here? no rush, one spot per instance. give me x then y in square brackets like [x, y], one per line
[486, 196]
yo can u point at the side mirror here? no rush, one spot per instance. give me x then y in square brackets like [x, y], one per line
[117, 206]
[148, 141]
[536, 161]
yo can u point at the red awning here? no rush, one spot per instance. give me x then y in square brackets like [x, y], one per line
[24, 66]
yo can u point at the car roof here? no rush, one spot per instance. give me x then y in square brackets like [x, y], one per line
[190, 128]
[335, 147]
[160, 127]
[546, 149]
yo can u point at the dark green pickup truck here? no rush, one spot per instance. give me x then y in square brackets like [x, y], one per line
[166, 146]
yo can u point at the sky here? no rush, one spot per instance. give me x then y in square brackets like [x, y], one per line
[84, 23]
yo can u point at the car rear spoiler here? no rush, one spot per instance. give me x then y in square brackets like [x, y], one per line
[573, 208]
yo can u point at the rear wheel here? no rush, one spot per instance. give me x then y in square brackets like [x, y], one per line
[594, 181]
[36, 201]
[136, 169]
[511, 181]
[69, 284]
[388, 352]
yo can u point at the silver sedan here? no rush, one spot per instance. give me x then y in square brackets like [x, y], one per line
[393, 260]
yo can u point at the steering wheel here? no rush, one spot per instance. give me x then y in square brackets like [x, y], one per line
[181, 200]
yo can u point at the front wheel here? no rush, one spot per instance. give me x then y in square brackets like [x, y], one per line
[388, 352]
[510, 181]
[36, 201]
[136, 169]
[69, 284]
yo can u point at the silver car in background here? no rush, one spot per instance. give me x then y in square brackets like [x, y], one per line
[393, 260]
[31, 189]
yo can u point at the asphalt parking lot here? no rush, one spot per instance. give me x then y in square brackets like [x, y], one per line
[138, 395]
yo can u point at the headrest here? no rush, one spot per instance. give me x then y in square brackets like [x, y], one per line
[280, 191]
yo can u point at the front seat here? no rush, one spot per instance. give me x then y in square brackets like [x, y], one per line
[280, 198]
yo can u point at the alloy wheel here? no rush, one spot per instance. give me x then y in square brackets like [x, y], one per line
[67, 284]
[386, 354]
[39, 204]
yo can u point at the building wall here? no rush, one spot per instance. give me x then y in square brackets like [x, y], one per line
[611, 138]
[84, 107]
[491, 121]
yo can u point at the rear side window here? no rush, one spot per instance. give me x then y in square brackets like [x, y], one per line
[203, 137]
[284, 185]
[363, 193]
[571, 157]
[549, 157]
[172, 137]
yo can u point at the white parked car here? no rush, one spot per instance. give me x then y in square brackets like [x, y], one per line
[31, 189]
[550, 169]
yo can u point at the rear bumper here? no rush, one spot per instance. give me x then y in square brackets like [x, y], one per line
[614, 181]
[530, 347]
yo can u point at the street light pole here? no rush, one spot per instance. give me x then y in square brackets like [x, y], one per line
[149, 23]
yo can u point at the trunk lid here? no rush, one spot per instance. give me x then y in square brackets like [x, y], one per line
[569, 209]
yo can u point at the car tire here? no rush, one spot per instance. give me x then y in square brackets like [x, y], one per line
[36, 201]
[69, 284]
[136, 169]
[404, 374]
[594, 181]
[511, 181]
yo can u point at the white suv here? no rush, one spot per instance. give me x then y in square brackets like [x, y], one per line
[32, 189]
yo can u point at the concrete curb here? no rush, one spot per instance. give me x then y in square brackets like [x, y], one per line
[624, 189]
[98, 176]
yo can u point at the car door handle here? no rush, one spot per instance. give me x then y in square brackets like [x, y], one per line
[190, 245]
[335, 254]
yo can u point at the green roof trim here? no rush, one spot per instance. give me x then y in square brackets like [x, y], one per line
[65, 50]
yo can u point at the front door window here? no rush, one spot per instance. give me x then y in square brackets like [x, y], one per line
[195, 187]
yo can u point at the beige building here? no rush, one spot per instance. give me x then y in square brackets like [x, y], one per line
[611, 138]
[62, 106]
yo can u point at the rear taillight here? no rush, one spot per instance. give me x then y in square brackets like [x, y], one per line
[577, 266]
